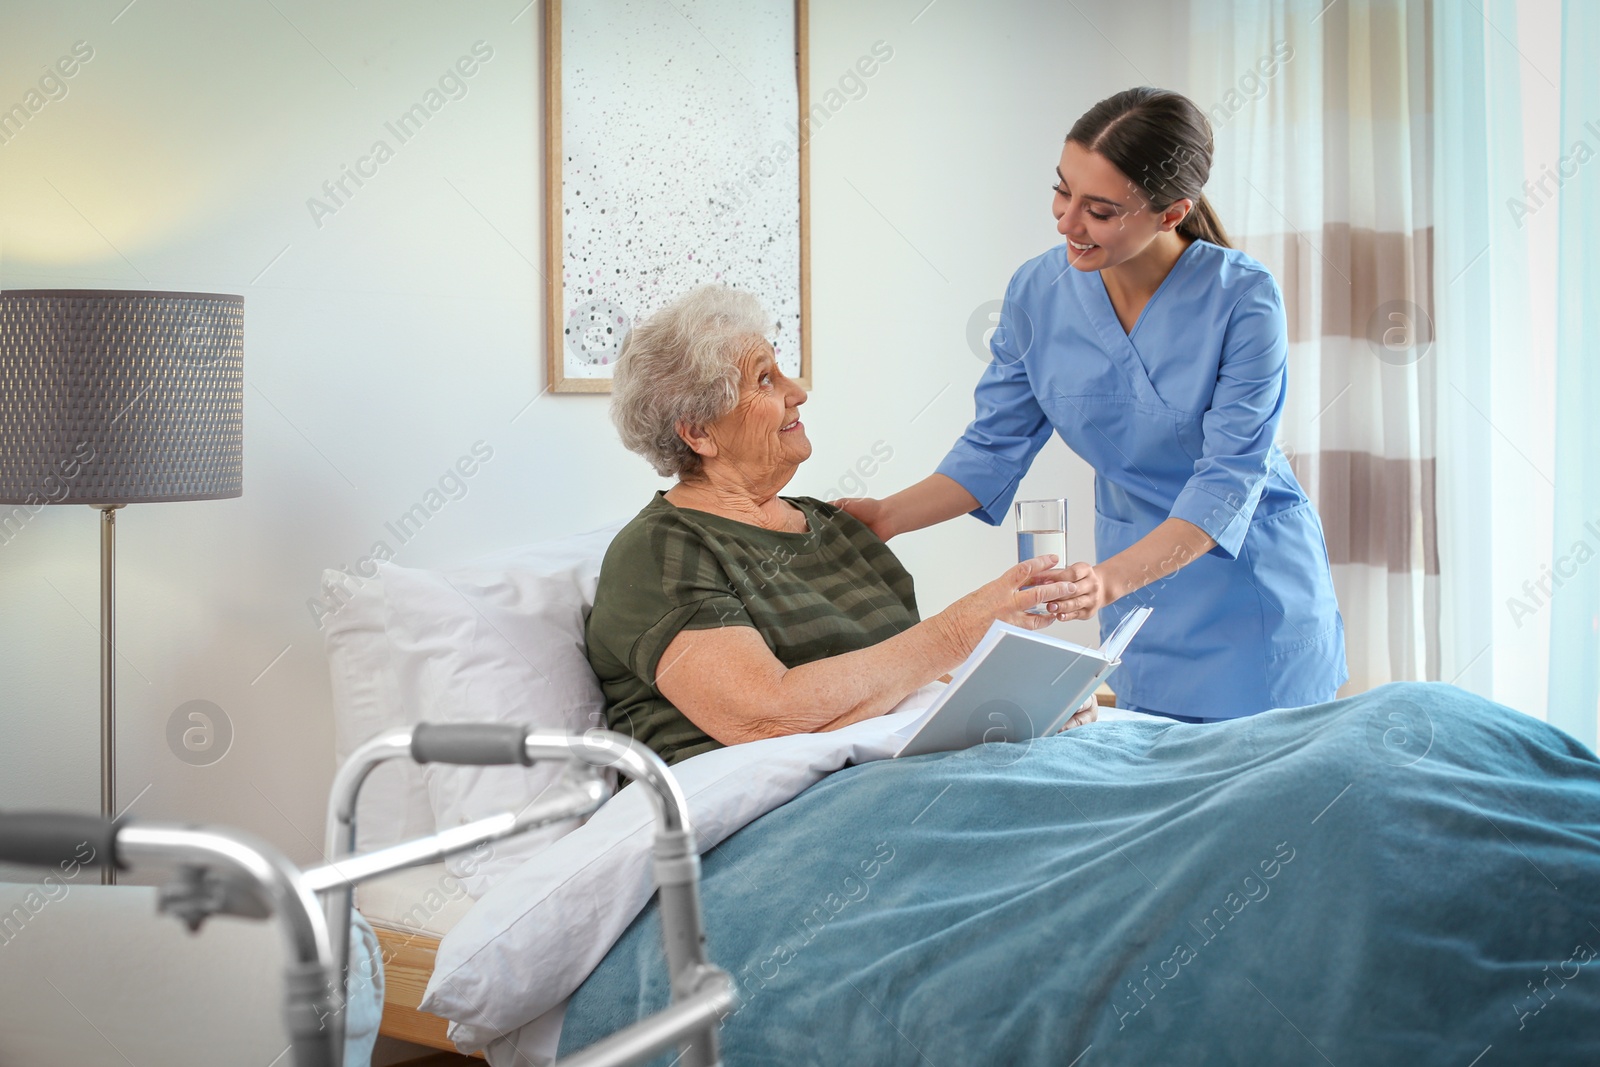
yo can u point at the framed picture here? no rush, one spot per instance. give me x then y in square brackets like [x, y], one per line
[674, 158]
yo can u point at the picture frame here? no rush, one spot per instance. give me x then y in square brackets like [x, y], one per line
[688, 126]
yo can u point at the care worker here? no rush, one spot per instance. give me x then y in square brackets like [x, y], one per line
[1159, 354]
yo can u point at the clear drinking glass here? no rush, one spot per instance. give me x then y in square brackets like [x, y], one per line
[1041, 530]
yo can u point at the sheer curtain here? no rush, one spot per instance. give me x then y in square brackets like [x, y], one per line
[1495, 480]
[1575, 556]
[1424, 179]
[1320, 114]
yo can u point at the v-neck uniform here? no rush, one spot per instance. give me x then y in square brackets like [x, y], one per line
[1097, 304]
[1177, 417]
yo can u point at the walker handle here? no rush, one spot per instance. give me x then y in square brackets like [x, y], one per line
[482, 744]
[58, 839]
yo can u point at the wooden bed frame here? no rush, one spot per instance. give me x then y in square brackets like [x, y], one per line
[407, 965]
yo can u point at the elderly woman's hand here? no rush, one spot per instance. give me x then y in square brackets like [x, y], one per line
[1006, 599]
[1086, 714]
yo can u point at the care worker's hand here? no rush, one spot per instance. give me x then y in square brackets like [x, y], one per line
[872, 513]
[1087, 592]
[1007, 599]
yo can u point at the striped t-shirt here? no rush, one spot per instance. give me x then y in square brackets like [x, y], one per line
[833, 589]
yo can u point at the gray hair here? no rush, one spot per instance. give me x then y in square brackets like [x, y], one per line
[681, 366]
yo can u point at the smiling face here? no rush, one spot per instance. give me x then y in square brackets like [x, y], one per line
[762, 440]
[1104, 216]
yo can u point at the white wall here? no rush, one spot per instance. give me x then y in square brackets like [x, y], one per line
[153, 992]
[382, 345]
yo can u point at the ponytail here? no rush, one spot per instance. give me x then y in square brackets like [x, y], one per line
[1202, 224]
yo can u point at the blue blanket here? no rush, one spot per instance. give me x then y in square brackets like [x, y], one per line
[1407, 876]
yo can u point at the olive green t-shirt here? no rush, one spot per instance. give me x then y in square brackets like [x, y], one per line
[833, 589]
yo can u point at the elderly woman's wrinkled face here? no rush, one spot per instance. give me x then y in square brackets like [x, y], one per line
[763, 432]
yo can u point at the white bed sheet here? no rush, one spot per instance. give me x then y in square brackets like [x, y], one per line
[427, 899]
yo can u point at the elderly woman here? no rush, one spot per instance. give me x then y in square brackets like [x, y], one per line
[727, 613]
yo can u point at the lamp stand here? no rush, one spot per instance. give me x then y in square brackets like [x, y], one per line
[108, 672]
[137, 394]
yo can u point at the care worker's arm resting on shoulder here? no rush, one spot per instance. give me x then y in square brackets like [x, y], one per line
[1169, 547]
[727, 682]
[931, 501]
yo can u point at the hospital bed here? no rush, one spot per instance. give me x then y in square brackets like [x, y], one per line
[413, 909]
[1109, 888]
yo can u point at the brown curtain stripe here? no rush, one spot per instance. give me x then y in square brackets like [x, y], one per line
[1361, 271]
[1370, 508]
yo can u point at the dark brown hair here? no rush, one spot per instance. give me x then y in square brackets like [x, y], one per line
[1162, 142]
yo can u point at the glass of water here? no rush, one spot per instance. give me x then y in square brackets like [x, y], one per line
[1041, 531]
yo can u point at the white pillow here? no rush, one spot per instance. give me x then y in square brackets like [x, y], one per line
[393, 803]
[501, 641]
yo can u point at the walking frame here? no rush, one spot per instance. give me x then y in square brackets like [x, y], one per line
[224, 872]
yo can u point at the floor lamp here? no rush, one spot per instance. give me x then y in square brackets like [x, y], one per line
[111, 397]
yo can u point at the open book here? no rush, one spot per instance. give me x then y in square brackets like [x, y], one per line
[1017, 685]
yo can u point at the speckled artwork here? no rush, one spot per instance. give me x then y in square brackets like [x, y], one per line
[679, 166]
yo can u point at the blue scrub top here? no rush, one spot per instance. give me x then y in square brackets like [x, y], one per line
[1177, 419]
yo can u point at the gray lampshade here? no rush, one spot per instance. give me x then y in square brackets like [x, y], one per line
[114, 396]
